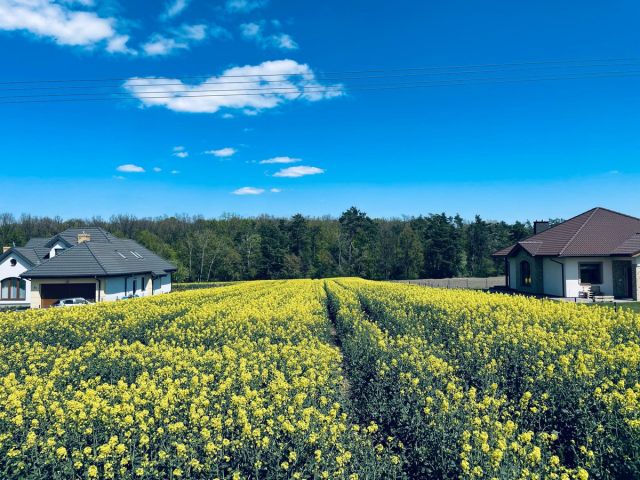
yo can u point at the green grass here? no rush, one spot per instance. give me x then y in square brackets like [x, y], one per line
[635, 306]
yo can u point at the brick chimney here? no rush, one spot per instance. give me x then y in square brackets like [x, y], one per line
[5, 249]
[540, 226]
[83, 237]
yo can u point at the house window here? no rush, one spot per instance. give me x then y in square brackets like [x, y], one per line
[13, 262]
[591, 273]
[13, 289]
[525, 273]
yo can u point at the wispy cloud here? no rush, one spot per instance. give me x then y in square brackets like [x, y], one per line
[130, 168]
[222, 152]
[157, 169]
[119, 177]
[175, 172]
[256, 32]
[248, 191]
[267, 85]
[180, 152]
[300, 171]
[244, 6]
[180, 38]
[63, 23]
[174, 8]
[276, 160]
[275, 190]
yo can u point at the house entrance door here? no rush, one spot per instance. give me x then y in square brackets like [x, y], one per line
[622, 278]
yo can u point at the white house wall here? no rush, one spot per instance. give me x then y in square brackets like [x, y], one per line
[513, 281]
[8, 271]
[59, 245]
[552, 277]
[571, 272]
[166, 284]
[114, 288]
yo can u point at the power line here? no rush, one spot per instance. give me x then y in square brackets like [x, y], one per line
[267, 81]
[588, 62]
[321, 89]
[307, 89]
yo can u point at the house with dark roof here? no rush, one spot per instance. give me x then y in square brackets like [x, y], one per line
[80, 262]
[596, 253]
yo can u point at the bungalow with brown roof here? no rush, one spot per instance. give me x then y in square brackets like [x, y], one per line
[596, 253]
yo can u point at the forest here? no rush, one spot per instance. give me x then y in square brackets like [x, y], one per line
[238, 248]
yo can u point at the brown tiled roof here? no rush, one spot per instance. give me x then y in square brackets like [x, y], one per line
[597, 232]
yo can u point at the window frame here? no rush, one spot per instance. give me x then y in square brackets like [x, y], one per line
[16, 283]
[601, 270]
[528, 280]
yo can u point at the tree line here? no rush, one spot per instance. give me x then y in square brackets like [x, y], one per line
[265, 247]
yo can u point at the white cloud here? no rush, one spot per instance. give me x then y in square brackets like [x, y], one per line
[295, 172]
[181, 38]
[284, 41]
[275, 190]
[175, 172]
[178, 148]
[255, 32]
[130, 168]
[181, 154]
[118, 44]
[222, 152]
[174, 8]
[274, 160]
[157, 169]
[243, 6]
[248, 191]
[62, 23]
[264, 86]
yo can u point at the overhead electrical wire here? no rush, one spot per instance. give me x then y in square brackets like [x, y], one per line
[299, 92]
[573, 62]
[282, 87]
[316, 88]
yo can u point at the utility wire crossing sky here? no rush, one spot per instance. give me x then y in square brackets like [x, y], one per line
[152, 108]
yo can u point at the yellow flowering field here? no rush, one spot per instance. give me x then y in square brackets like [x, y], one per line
[343, 378]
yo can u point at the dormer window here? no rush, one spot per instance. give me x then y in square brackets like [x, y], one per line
[121, 254]
[13, 262]
[136, 254]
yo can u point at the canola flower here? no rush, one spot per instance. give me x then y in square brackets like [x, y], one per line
[234, 382]
[494, 386]
[310, 379]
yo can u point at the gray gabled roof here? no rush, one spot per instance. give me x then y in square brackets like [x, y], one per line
[29, 253]
[104, 256]
[36, 242]
[70, 236]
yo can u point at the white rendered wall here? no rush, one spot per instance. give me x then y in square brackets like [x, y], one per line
[113, 289]
[513, 281]
[59, 245]
[7, 271]
[572, 277]
[552, 277]
[166, 284]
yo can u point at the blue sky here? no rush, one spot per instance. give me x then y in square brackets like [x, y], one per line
[505, 150]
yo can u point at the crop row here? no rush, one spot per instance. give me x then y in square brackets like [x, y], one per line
[235, 382]
[494, 386]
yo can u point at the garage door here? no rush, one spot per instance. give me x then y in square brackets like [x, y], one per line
[50, 293]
